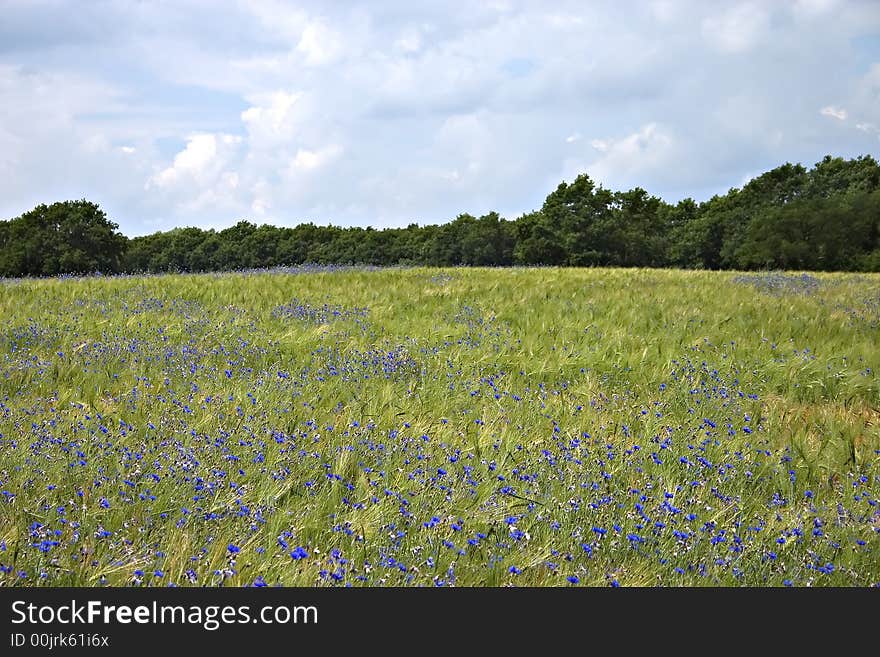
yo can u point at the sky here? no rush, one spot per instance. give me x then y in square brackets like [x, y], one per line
[390, 112]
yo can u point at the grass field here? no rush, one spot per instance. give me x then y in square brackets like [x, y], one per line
[421, 427]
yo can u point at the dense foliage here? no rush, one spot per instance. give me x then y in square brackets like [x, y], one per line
[826, 218]
[73, 236]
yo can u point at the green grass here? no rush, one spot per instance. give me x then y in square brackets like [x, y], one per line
[470, 427]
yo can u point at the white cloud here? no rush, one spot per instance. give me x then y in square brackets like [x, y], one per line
[565, 21]
[48, 153]
[271, 66]
[737, 29]
[470, 131]
[665, 10]
[307, 160]
[865, 101]
[262, 193]
[278, 17]
[835, 112]
[260, 206]
[191, 161]
[813, 8]
[869, 128]
[623, 162]
[273, 117]
[201, 177]
[319, 44]
[230, 179]
[409, 42]
[260, 97]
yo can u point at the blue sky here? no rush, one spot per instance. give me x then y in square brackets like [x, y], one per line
[384, 113]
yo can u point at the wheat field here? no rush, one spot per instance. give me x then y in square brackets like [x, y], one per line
[333, 426]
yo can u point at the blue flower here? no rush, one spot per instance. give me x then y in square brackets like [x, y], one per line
[514, 570]
[299, 553]
[234, 549]
[573, 579]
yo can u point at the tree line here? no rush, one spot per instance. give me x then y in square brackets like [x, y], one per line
[825, 218]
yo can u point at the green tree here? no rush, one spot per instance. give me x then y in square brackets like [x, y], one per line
[681, 243]
[233, 250]
[635, 231]
[64, 237]
[834, 234]
[577, 213]
[834, 176]
[537, 241]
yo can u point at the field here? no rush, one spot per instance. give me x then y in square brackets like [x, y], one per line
[427, 427]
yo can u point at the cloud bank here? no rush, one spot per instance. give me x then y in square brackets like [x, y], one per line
[387, 113]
